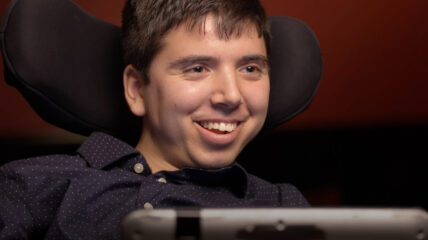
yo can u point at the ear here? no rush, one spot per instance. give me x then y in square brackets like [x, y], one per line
[133, 85]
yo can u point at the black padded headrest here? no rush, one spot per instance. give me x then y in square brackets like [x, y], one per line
[67, 64]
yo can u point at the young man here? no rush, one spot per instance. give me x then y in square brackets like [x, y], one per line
[204, 92]
[197, 74]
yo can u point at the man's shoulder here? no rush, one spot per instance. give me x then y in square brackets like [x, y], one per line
[97, 151]
[43, 164]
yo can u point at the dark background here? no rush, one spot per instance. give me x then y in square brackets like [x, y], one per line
[362, 142]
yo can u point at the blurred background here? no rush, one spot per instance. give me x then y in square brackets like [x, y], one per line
[362, 142]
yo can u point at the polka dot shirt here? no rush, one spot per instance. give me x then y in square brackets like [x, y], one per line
[86, 195]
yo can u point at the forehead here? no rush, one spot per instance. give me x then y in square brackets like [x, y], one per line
[223, 28]
[208, 32]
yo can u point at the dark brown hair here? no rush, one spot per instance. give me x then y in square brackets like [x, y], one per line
[145, 22]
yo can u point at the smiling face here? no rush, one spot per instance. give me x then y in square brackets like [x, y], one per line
[206, 98]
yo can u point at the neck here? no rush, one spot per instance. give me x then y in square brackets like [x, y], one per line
[154, 157]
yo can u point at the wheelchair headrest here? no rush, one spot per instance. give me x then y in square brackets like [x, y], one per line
[68, 66]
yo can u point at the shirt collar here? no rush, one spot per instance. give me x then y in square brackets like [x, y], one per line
[101, 150]
[233, 177]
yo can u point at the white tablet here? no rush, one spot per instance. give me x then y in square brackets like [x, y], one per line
[277, 224]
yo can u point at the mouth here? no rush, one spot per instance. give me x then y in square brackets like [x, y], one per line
[219, 127]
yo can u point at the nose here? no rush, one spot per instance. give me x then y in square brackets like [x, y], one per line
[226, 90]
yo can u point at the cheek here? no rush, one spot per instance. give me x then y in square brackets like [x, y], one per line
[186, 96]
[257, 97]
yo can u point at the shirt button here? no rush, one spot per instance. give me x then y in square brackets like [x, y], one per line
[147, 205]
[138, 168]
[162, 180]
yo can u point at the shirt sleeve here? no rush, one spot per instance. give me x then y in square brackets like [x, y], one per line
[27, 202]
[15, 219]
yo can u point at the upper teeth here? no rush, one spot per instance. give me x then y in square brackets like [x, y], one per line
[222, 126]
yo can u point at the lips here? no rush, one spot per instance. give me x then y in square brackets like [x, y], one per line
[219, 127]
[218, 132]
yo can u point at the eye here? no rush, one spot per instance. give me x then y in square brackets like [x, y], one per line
[196, 72]
[198, 69]
[250, 69]
[195, 69]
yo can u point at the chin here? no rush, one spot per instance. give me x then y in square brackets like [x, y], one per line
[214, 163]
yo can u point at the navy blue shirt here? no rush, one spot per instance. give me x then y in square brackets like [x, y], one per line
[86, 195]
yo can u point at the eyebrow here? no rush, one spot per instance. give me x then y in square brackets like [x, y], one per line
[190, 60]
[194, 59]
[259, 59]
